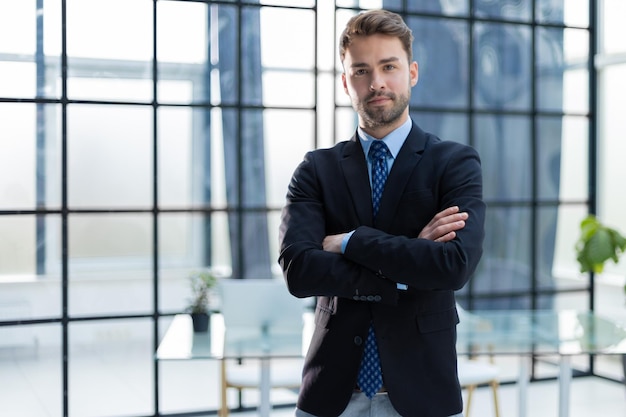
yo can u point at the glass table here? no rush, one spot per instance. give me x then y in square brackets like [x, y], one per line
[528, 333]
[265, 344]
[493, 332]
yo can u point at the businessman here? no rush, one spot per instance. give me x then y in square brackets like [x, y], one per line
[382, 229]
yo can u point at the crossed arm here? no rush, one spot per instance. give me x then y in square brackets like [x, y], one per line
[442, 228]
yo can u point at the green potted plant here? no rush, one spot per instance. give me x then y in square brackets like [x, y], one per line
[597, 244]
[201, 284]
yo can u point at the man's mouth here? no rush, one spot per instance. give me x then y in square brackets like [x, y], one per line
[379, 99]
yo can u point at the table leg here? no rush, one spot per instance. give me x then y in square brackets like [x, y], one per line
[523, 378]
[264, 405]
[565, 379]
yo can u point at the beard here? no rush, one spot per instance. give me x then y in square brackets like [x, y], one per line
[376, 116]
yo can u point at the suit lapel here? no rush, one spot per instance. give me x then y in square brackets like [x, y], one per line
[354, 165]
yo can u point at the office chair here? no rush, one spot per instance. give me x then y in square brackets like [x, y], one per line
[472, 373]
[248, 305]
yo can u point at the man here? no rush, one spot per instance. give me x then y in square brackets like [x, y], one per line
[386, 266]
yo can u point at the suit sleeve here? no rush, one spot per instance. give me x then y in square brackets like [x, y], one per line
[307, 268]
[424, 264]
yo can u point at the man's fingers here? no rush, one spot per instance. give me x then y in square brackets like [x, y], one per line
[447, 237]
[442, 227]
[445, 213]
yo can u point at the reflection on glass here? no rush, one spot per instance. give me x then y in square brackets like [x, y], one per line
[550, 64]
[505, 269]
[562, 75]
[570, 12]
[439, 49]
[447, 8]
[504, 9]
[563, 158]
[502, 66]
[448, 126]
[504, 144]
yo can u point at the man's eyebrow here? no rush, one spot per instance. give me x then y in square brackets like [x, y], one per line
[388, 60]
[381, 62]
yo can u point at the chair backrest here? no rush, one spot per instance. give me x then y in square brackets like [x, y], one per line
[260, 304]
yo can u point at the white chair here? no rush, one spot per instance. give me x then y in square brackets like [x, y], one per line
[248, 304]
[473, 373]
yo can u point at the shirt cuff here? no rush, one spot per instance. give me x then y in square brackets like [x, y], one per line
[344, 241]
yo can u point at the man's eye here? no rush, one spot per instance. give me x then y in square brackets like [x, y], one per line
[390, 67]
[360, 72]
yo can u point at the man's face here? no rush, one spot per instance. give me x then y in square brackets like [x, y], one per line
[378, 79]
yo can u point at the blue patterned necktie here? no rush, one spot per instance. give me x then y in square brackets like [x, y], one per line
[378, 157]
[370, 377]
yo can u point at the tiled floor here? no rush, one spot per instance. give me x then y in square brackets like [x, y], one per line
[590, 397]
[110, 382]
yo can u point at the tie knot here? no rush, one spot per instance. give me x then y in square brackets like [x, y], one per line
[378, 150]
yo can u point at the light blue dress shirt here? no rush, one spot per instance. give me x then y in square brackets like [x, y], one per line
[394, 141]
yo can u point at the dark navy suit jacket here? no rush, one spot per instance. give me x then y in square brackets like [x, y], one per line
[416, 329]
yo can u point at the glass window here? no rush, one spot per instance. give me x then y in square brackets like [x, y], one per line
[504, 9]
[440, 48]
[168, 142]
[110, 347]
[30, 360]
[502, 62]
[505, 147]
[570, 12]
[110, 152]
[109, 59]
[563, 158]
[562, 72]
[30, 50]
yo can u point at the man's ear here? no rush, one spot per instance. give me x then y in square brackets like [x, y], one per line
[414, 73]
[343, 81]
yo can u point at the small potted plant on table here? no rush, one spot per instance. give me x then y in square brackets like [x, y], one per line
[201, 284]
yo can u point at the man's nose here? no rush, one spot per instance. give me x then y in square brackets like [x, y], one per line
[377, 82]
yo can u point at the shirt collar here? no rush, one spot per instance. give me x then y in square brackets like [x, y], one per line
[394, 140]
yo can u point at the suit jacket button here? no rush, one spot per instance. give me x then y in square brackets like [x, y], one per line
[378, 298]
[358, 341]
[363, 298]
[370, 298]
[356, 298]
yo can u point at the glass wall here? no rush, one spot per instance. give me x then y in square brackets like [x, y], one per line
[141, 140]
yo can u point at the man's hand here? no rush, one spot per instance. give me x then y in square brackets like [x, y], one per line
[332, 243]
[443, 227]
